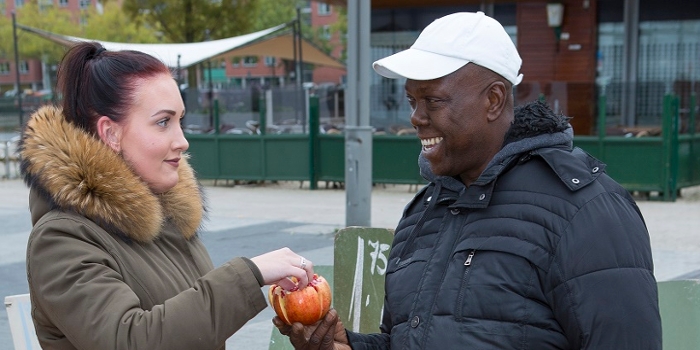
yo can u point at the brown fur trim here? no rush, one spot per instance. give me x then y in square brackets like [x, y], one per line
[184, 201]
[84, 175]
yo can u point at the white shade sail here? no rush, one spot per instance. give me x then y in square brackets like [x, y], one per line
[275, 42]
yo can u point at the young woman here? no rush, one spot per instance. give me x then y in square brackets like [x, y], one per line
[114, 260]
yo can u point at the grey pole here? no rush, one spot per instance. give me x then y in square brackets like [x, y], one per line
[358, 132]
[629, 62]
[210, 93]
[19, 93]
[300, 75]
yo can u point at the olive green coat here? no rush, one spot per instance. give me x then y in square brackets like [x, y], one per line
[110, 265]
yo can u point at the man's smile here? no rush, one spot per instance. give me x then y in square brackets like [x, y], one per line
[430, 142]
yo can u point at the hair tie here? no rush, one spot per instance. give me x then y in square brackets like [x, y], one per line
[97, 52]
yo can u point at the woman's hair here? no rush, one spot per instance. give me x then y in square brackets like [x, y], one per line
[95, 82]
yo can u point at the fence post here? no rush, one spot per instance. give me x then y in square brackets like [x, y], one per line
[7, 159]
[602, 122]
[691, 116]
[313, 139]
[216, 116]
[262, 123]
[670, 146]
[691, 125]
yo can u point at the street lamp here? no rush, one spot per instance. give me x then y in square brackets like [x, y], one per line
[555, 17]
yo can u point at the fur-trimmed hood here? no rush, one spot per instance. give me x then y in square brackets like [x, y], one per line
[72, 171]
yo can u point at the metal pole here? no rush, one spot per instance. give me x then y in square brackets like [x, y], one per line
[358, 132]
[19, 94]
[296, 62]
[179, 73]
[211, 99]
[629, 62]
[300, 74]
[313, 140]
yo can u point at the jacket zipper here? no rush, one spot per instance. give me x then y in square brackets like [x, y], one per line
[463, 285]
[470, 257]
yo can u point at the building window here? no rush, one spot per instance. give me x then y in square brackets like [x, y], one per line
[84, 4]
[4, 68]
[19, 3]
[43, 4]
[250, 61]
[270, 61]
[63, 3]
[324, 9]
[235, 61]
[23, 67]
[326, 32]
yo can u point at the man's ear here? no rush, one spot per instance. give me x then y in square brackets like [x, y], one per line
[110, 133]
[497, 95]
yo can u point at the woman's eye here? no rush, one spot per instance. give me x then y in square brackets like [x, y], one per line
[163, 122]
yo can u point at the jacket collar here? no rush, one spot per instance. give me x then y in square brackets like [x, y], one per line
[534, 126]
[70, 170]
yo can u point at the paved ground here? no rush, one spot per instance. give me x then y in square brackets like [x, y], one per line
[248, 220]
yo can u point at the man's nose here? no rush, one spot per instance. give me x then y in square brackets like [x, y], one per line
[418, 116]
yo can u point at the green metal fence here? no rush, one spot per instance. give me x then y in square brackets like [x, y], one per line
[661, 164]
[654, 164]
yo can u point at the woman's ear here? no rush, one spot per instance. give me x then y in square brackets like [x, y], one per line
[110, 133]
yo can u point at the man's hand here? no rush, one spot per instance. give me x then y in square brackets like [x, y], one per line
[326, 334]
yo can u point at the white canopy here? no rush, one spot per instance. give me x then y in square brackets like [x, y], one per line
[188, 54]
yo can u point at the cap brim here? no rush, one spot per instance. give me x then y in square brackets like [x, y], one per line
[417, 65]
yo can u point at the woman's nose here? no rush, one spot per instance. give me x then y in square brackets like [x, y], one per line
[181, 142]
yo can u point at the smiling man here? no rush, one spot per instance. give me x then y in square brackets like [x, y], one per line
[520, 240]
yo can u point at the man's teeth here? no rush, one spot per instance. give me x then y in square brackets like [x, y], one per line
[430, 142]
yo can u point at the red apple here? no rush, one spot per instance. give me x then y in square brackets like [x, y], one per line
[306, 305]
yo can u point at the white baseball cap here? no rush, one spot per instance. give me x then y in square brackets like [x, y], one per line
[449, 43]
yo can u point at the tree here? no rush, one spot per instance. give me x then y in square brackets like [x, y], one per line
[274, 12]
[270, 13]
[194, 20]
[31, 46]
[341, 28]
[110, 25]
[115, 25]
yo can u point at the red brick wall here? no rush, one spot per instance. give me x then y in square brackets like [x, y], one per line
[547, 64]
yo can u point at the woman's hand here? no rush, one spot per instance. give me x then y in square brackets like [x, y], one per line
[277, 266]
[326, 334]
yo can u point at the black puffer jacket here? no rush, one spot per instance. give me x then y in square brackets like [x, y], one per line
[543, 251]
